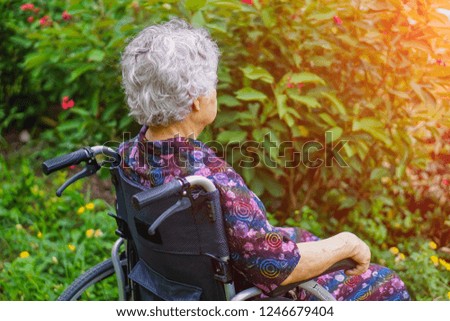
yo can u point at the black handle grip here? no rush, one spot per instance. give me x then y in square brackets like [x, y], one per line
[74, 158]
[345, 264]
[145, 198]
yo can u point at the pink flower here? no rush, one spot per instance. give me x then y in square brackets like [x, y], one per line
[66, 16]
[440, 62]
[300, 86]
[30, 19]
[27, 7]
[72, 166]
[445, 182]
[45, 21]
[66, 103]
[250, 2]
[337, 20]
[290, 85]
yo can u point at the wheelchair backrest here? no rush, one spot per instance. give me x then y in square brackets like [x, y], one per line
[187, 256]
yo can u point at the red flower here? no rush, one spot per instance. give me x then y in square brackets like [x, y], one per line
[66, 16]
[72, 167]
[30, 19]
[247, 1]
[66, 103]
[440, 62]
[445, 182]
[45, 21]
[337, 20]
[300, 86]
[290, 85]
[27, 7]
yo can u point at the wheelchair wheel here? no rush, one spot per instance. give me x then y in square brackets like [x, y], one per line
[97, 283]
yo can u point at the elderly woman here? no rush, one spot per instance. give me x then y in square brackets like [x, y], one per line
[170, 77]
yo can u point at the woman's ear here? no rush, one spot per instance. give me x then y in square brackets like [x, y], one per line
[196, 105]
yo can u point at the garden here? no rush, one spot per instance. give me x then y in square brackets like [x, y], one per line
[347, 101]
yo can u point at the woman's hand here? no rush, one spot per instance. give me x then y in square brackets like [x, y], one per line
[359, 252]
[318, 256]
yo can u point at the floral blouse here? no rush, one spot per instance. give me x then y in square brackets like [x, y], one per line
[265, 254]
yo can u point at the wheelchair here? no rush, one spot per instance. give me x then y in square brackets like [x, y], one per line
[175, 246]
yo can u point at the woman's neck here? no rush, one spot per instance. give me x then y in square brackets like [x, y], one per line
[181, 129]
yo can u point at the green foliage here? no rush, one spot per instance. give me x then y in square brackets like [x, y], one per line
[45, 242]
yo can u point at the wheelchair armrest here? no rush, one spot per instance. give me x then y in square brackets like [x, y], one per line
[345, 264]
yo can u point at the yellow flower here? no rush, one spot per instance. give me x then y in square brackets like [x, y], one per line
[401, 256]
[432, 245]
[448, 294]
[443, 262]
[39, 235]
[90, 206]
[98, 233]
[24, 254]
[71, 247]
[81, 210]
[89, 233]
[394, 250]
[435, 260]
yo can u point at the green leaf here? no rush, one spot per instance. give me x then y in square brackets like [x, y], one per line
[368, 122]
[309, 101]
[348, 202]
[305, 77]
[274, 188]
[232, 136]
[248, 94]
[319, 16]
[34, 60]
[194, 5]
[281, 105]
[257, 186]
[268, 18]
[81, 112]
[248, 174]
[69, 125]
[373, 127]
[254, 72]
[96, 55]
[336, 103]
[198, 20]
[332, 134]
[228, 101]
[229, 5]
[79, 71]
[327, 119]
[378, 173]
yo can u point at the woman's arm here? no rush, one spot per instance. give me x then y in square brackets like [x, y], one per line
[318, 256]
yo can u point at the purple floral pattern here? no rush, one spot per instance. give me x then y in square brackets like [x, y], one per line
[265, 254]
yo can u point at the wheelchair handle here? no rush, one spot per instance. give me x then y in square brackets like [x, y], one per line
[83, 154]
[57, 163]
[147, 197]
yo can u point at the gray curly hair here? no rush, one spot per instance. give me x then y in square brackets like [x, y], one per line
[164, 68]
